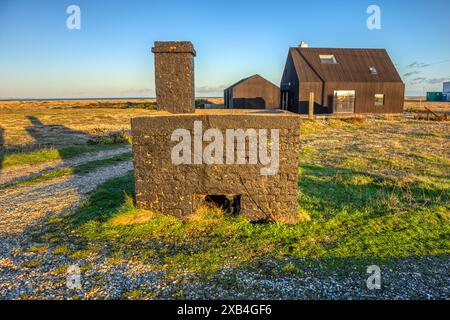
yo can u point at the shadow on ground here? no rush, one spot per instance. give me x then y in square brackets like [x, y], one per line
[50, 138]
[53, 135]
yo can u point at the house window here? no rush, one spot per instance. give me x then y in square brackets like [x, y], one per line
[344, 101]
[373, 70]
[379, 99]
[327, 58]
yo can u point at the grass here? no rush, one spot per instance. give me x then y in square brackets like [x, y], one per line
[51, 154]
[34, 263]
[148, 105]
[81, 169]
[346, 224]
[119, 137]
[357, 210]
[368, 192]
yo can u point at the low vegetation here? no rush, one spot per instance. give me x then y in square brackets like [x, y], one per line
[81, 169]
[117, 137]
[50, 154]
[148, 105]
[369, 192]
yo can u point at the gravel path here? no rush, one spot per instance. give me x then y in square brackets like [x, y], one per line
[23, 208]
[14, 174]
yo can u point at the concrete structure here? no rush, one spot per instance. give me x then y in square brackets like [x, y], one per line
[174, 81]
[253, 92]
[342, 80]
[167, 185]
[180, 189]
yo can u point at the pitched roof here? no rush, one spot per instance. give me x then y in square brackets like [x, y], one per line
[249, 78]
[352, 65]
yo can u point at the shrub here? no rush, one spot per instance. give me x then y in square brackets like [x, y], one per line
[354, 120]
[115, 137]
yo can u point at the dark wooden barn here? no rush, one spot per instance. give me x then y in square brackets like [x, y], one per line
[341, 81]
[253, 92]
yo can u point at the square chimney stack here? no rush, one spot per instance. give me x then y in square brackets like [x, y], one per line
[174, 76]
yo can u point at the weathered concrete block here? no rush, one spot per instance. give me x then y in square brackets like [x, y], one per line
[179, 189]
[174, 76]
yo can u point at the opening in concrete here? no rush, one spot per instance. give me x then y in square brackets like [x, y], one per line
[228, 203]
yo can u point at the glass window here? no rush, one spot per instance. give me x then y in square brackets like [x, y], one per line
[379, 99]
[344, 101]
[327, 58]
[373, 70]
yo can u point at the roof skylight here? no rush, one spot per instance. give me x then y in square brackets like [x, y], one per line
[327, 58]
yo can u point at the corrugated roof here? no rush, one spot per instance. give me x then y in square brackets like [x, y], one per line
[352, 65]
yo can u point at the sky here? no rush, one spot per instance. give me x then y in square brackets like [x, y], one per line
[109, 56]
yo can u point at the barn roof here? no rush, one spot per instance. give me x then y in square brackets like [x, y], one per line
[352, 65]
[249, 78]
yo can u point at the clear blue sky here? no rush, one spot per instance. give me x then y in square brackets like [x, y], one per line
[110, 55]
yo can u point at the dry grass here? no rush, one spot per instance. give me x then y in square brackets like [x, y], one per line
[133, 218]
[415, 105]
[292, 219]
[59, 123]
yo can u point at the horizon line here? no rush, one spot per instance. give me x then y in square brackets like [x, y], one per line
[94, 98]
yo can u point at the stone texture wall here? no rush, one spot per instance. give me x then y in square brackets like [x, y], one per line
[181, 189]
[174, 76]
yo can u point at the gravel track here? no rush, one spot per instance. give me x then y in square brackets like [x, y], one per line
[23, 208]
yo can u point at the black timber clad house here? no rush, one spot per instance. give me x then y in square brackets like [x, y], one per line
[253, 92]
[342, 80]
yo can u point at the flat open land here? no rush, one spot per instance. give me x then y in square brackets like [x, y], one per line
[419, 104]
[371, 191]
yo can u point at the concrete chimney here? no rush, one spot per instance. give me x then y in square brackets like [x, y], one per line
[174, 76]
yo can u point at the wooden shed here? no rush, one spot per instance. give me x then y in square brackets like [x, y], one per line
[338, 80]
[253, 92]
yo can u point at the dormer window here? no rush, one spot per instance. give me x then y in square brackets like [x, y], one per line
[373, 70]
[327, 58]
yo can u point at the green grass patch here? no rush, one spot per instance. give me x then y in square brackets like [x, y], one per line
[34, 157]
[50, 154]
[81, 169]
[351, 221]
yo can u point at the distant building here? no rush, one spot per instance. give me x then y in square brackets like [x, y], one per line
[434, 96]
[253, 92]
[446, 87]
[446, 91]
[341, 80]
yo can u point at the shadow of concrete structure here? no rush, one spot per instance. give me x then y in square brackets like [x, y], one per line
[53, 135]
[68, 143]
[45, 136]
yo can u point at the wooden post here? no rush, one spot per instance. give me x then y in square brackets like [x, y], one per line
[311, 105]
